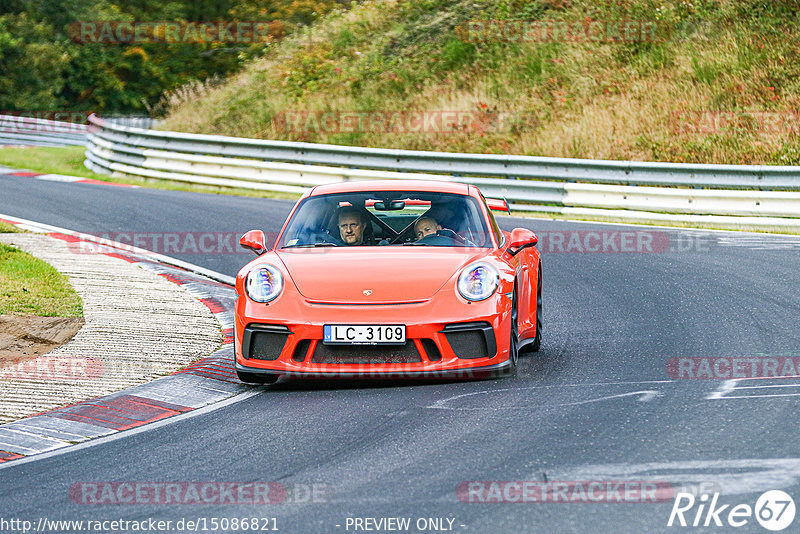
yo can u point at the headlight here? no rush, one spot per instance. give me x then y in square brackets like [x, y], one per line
[264, 283]
[478, 281]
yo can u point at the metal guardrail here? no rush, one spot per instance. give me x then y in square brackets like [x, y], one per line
[19, 130]
[133, 121]
[531, 183]
[30, 131]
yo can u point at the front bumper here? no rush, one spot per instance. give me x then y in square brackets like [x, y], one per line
[456, 346]
[447, 336]
[491, 371]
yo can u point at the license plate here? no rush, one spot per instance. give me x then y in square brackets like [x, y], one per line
[360, 334]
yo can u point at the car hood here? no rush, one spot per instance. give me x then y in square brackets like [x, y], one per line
[364, 275]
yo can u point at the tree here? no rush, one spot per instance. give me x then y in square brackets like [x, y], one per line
[32, 67]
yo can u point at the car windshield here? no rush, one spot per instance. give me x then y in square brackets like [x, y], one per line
[387, 218]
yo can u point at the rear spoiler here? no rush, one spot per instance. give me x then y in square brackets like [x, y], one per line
[498, 204]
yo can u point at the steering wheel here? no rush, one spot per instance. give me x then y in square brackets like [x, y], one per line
[318, 237]
[328, 237]
[442, 237]
[446, 233]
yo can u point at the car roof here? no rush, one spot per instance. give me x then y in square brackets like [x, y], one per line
[428, 186]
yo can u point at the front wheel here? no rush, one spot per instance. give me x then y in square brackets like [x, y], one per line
[537, 341]
[253, 378]
[513, 338]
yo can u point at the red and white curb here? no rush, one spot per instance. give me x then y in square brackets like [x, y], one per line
[5, 171]
[207, 381]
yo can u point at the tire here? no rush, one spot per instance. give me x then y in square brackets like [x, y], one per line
[537, 341]
[253, 378]
[513, 337]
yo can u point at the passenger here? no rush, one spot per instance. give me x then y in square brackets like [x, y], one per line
[351, 224]
[426, 226]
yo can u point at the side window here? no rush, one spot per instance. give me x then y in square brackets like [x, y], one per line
[496, 229]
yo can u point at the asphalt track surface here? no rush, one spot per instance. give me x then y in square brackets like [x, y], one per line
[595, 404]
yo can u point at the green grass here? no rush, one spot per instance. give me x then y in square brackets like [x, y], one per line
[48, 160]
[69, 161]
[656, 222]
[6, 228]
[599, 100]
[29, 286]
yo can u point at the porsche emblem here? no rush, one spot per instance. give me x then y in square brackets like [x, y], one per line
[367, 292]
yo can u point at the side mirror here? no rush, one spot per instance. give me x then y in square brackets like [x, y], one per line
[521, 238]
[254, 240]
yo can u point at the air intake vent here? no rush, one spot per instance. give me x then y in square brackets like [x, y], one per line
[471, 340]
[431, 349]
[264, 342]
[300, 350]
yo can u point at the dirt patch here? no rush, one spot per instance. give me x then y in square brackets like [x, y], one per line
[23, 338]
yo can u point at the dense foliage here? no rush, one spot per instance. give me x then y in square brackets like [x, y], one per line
[719, 83]
[42, 68]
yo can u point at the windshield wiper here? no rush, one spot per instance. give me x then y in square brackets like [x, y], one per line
[312, 245]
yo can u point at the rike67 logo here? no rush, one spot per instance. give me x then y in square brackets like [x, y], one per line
[774, 510]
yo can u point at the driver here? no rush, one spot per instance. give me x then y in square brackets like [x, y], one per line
[351, 225]
[426, 226]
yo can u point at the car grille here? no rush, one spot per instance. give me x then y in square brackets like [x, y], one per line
[365, 354]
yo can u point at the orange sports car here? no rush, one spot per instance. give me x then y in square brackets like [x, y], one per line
[388, 279]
